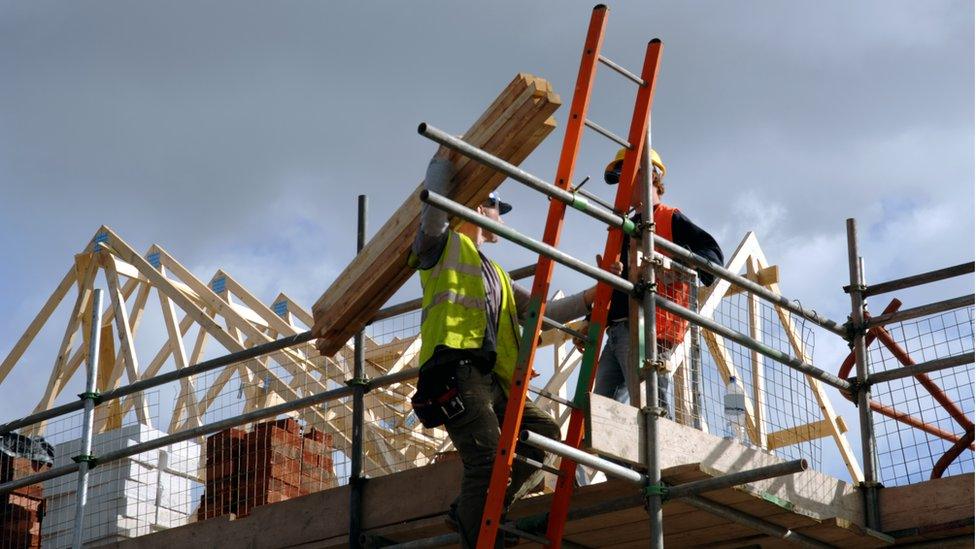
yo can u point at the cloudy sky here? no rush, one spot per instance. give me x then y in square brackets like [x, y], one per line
[238, 134]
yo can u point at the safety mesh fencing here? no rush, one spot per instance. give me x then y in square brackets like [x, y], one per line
[278, 458]
[783, 414]
[918, 420]
[124, 498]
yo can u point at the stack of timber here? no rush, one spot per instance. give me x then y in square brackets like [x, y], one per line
[511, 128]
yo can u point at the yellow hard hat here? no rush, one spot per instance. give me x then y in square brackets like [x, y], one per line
[612, 172]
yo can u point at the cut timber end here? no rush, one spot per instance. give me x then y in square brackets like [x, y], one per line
[510, 128]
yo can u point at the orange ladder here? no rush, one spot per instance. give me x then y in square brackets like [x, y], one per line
[502, 467]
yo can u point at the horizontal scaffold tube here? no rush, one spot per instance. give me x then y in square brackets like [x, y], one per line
[211, 428]
[621, 284]
[565, 451]
[729, 480]
[917, 280]
[922, 368]
[923, 310]
[613, 219]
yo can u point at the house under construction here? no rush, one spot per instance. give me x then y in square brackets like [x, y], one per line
[207, 417]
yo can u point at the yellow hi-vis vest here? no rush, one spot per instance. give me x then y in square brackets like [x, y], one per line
[454, 307]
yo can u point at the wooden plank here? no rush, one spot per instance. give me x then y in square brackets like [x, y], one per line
[803, 433]
[186, 397]
[514, 119]
[758, 374]
[764, 277]
[108, 416]
[928, 503]
[126, 342]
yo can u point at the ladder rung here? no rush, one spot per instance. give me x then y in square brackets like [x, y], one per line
[550, 323]
[607, 133]
[546, 394]
[542, 466]
[624, 72]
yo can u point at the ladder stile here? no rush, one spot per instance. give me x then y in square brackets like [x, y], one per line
[639, 125]
[510, 428]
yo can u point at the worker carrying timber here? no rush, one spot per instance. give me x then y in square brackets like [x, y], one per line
[470, 343]
[613, 375]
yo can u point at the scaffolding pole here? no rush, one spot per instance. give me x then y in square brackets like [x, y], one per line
[358, 383]
[917, 280]
[651, 367]
[869, 488]
[90, 399]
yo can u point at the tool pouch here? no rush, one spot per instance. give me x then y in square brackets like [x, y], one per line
[438, 398]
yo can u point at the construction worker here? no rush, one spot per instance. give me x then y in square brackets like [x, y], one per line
[613, 374]
[470, 342]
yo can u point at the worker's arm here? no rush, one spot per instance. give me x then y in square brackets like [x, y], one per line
[561, 310]
[432, 236]
[697, 240]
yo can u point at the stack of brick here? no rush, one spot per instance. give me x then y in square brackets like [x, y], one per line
[223, 463]
[318, 472]
[272, 463]
[21, 511]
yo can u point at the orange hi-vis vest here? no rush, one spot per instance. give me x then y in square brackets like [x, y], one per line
[670, 327]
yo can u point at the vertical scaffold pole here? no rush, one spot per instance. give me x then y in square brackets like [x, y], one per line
[869, 488]
[652, 410]
[358, 381]
[90, 396]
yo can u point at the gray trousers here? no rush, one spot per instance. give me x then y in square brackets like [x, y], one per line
[614, 372]
[475, 434]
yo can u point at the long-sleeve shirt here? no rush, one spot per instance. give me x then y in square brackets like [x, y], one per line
[432, 238]
[684, 233]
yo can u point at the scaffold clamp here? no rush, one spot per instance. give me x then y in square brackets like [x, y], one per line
[90, 459]
[94, 396]
[642, 286]
[659, 489]
[358, 382]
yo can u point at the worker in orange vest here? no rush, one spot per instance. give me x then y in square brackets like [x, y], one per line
[614, 371]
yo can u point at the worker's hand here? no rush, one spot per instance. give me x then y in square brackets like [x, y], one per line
[580, 344]
[617, 268]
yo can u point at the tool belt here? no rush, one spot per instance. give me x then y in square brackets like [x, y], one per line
[438, 398]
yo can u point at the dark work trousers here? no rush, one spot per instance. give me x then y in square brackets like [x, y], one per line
[475, 435]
